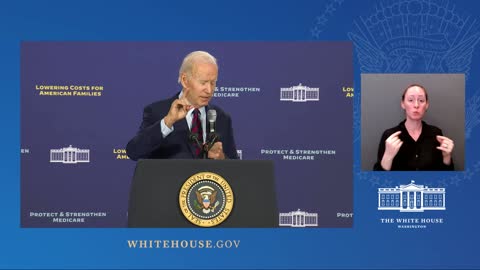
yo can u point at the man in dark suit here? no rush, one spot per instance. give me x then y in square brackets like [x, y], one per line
[167, 125]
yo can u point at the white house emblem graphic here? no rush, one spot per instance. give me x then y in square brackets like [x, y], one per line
[70, 155]
[298, 219]
[299, 93]
[411, 198]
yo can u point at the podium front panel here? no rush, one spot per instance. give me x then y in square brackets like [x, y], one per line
[154, 196]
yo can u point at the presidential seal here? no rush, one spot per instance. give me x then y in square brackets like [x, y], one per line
[206, 199]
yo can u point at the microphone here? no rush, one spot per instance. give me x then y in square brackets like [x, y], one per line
[212, 118]
[194, 138]
[212, 136]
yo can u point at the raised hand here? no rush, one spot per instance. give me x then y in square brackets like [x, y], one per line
[392, 146]
[178, 110]
[446, 146]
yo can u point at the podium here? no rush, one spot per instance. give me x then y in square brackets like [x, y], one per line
[157, 183]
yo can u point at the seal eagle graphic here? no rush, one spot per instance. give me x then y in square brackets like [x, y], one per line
[206, 199]
[206, 196]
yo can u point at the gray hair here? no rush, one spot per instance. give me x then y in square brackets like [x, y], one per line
[191, 59]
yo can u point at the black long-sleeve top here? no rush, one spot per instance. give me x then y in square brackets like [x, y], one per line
[420, 155]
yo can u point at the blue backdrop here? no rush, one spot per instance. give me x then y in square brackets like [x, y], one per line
[387, 36]
[91, 96]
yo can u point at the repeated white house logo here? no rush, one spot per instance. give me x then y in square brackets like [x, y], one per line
[299, 93]
[70, 155]
[411, 198]
[298, 219]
